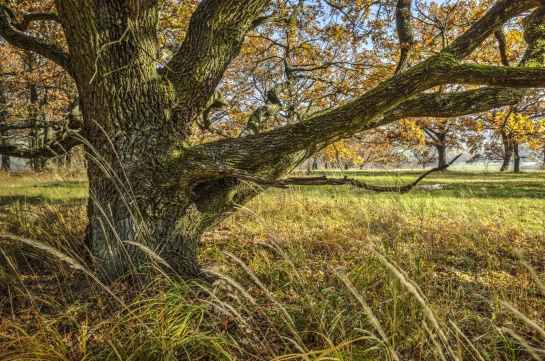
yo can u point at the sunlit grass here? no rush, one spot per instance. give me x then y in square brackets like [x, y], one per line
[308, 273]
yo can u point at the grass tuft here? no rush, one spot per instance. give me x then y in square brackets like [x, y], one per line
[302, 274]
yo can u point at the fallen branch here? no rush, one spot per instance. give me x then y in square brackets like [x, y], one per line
[323, 180]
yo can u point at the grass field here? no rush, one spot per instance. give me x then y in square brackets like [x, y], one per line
[307, 273]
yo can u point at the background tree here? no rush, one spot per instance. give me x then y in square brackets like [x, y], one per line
[153, 187]
[507, 133]
[36, 92]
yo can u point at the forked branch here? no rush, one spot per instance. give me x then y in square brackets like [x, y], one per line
[29, 18]
[26, 42]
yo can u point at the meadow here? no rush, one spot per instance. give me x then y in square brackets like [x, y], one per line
[448, 272]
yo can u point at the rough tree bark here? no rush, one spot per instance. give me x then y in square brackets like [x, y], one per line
[148, 189]
[4, 115]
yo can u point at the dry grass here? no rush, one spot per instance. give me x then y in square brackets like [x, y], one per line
[303, 274]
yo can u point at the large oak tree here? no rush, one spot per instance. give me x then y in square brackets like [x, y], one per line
[150, 187]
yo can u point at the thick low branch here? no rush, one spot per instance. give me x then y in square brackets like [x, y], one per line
[448, 105]
[500, 76]
[57, 148]
[272, 154]
[30, 43]
[320, 181]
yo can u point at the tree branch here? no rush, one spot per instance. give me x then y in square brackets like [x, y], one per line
[502, 46]
[404, 33]
[499, 14]
[214, 37]
[28, 18]
[272, 107]
[272, 154]
[500, 76]
[57, 148]
[215, 102]
[534, 35]
[30, 43]
[449, 105]
[320, 181]
[262, 20]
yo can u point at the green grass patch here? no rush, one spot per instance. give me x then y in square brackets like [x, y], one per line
[40, 189]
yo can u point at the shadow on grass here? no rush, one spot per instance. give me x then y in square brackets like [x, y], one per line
[457, 184]
[495, 190]
[6, 201]
[38, 192]
[64, 184]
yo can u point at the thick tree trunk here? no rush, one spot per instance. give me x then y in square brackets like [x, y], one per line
[505, 164]
[135, 214]
[439, 134]
[135, 211]
[142, 207]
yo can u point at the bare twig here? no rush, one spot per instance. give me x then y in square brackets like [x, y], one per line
[319, 181]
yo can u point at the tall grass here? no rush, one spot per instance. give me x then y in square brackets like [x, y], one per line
[305, 274]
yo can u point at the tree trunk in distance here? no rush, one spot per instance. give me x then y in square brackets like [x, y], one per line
[516, 156]
[507, 151]
[6, 164]
[441, 154]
